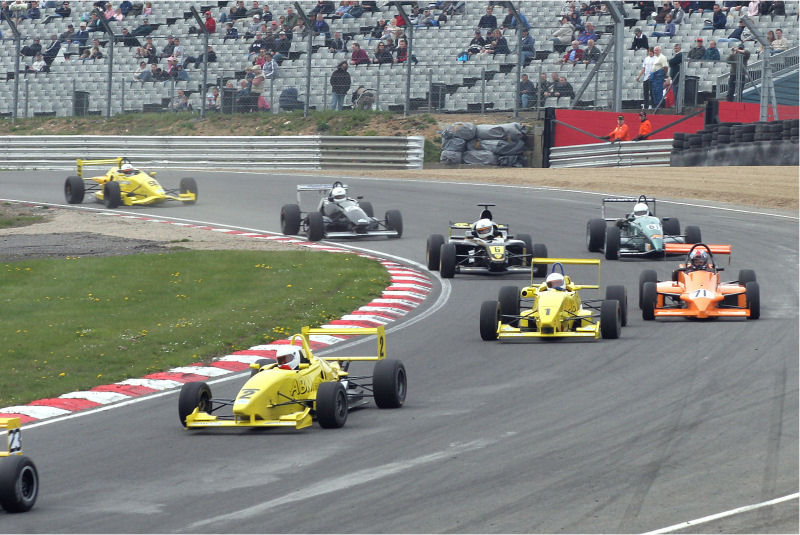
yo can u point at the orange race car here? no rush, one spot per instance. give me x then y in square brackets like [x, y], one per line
[696, 291]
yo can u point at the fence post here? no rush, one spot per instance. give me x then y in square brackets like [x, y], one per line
[324, 94]
[430, 90]
[378, 91]
[27, 96]
[483, 90]
[122, 97]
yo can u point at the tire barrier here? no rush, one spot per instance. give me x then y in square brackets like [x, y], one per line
[748, 144]
[501, 145]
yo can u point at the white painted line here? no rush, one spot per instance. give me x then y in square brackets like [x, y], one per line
[35, 411]
[96, 396]
[738, 510]
[208, 371]
[155, 384]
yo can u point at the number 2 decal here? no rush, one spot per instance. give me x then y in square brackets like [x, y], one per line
[381, 351]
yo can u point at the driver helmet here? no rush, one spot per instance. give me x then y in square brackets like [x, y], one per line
[484, 228]
[338, 194]
[640, 209]
[288, 357]
[555, 281]
[126, 169]
[698, 259]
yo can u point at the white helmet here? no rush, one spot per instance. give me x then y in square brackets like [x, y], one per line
[126, 168]
[484, 228]
[640, 209]
[288, 356]
[338, 193]
[555, 280]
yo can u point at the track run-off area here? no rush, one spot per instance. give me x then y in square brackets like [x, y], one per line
[677, 426]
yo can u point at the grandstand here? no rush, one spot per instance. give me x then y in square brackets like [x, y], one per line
[439, 81]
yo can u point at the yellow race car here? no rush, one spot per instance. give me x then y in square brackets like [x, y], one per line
[125, 185]
[554, 309]
[298, 387]
[19, 479]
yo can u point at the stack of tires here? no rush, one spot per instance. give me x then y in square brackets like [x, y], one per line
[501, 145]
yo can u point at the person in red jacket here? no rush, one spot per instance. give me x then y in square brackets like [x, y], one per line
[211, 24]
[620, 133]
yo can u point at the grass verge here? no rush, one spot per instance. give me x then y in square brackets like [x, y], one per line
[73, 323]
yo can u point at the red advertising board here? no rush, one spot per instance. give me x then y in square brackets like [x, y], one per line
[750, 112]
[600, 123]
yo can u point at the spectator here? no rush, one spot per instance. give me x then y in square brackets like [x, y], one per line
[591, 53]
[639, 40]
[340, 85]
[254, 10]
[662, 12]
[645, 126]
[544, 87]
[108, 11]
[355, 11]
[326, 8]
[401, 54]
[527, 91]
[39, 65]
[659, 72]
[719, 21]
[753, 9]
[148, 9]
[299, 30]
[81, 36]
[620, 132]
[587, 34]
[738, 53]
[778, 7]
[497, 44]
[212, 58]
[426, 19]
[256, 86]
[344, 7]
[143, 29]
[646, 73]
[281, 48]
[258, 44]
[488, 21]
[563, 35]
[141, 73]
[52, 49]
[169, 48]
[117, 15]
[678, 13]
[230, 32]
[17, 10]
[68, 35]
[291, 17]
[379, 30]
[699, 51]
[476, 44]
[180, 102]
[668, 96]
[125, 7]
[735, 35]
[780, 44]
[712, 53]
[573, 55]
[510, 21]
[254, 27]
[33, 12]
[210, 23]
[528, 50]
[321, 27]
[176, 71]
[563, 88]
[270, 67]
[178, 51]
[63, 10]
[214, 100]
[93, 53]
[359, 56]
[337, 44]
[128, 39]
[675, 63]
[382, 55]
[575, 20]
[669, 28]
[31, 50]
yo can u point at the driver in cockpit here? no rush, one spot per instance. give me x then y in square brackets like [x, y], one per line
[485, 229]
[640, 209]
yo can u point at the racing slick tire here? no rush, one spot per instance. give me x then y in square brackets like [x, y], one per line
[539, 251]
[194, 395]
[262, 363]
[619, 293]
[316, 226]
[189, 185]
[612, 242]
[595, 234]
[746, 275]
[610, 319]
[693, 234]
[389, 384]
[671, 226]
[447, 260]
[508, 301]
[19, 484]
[290, 219]
[648, 275]
[753, 295]
[112, 194]
[432, 251]
[366, 206]
[490, 310]
[74, 190]
[649, 299]
[394, 220]
[526, 239]
[331, 405]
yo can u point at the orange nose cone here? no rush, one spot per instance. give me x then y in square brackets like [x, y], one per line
[703, 305]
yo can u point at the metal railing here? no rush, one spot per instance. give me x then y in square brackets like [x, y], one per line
[625, 154]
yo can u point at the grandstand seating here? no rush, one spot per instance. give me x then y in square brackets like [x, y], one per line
[436, 48]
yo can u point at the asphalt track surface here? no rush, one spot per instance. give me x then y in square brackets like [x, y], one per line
[674, 422]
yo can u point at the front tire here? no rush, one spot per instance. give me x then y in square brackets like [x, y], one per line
[612, 242]
[539, 251]
[508, 300]
[693, 234]
[488, 320]
[620, 294]
[746, 275]
[74, 190]
[316, 226]
[389, 384]
[290, 219]
[447, 260]
[649, 300]
[112, 194]
[19, 484]
[753, 295]
[595, 234]
[648, 275]
[433, 250]
[610, 319]
[671, 226]
[331, 405]
[394, 220]
[196, 395]
[366, 206]
[189, 185]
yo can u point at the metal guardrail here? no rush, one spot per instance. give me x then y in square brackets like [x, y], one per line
[624, 154]
[262, 152]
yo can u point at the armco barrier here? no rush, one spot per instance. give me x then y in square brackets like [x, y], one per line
[625, 154]
[262, 152]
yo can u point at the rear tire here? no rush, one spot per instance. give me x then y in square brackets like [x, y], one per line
[447, 260]
[693, 234]
[753, 295]
[649, 300]
[112, 194]
[671, 226]
[290, 219]
[19, 484]
[539, 251]
[74, 190]
[648, 275]
[331, 405]
[746, 275]
[189, 185]
[612, 242]
[620, 294]
[595, 234]
[394, 220]
[508, 301]
[196, 395]
[433, 251]
[488, 320]
[610, 319]
[316, 226]
[389, 384]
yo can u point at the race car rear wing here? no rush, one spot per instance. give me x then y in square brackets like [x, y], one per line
[572, 261]
[684, 248]
[379, 332]
[651, 202]
[87, 163]
[14, 438]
